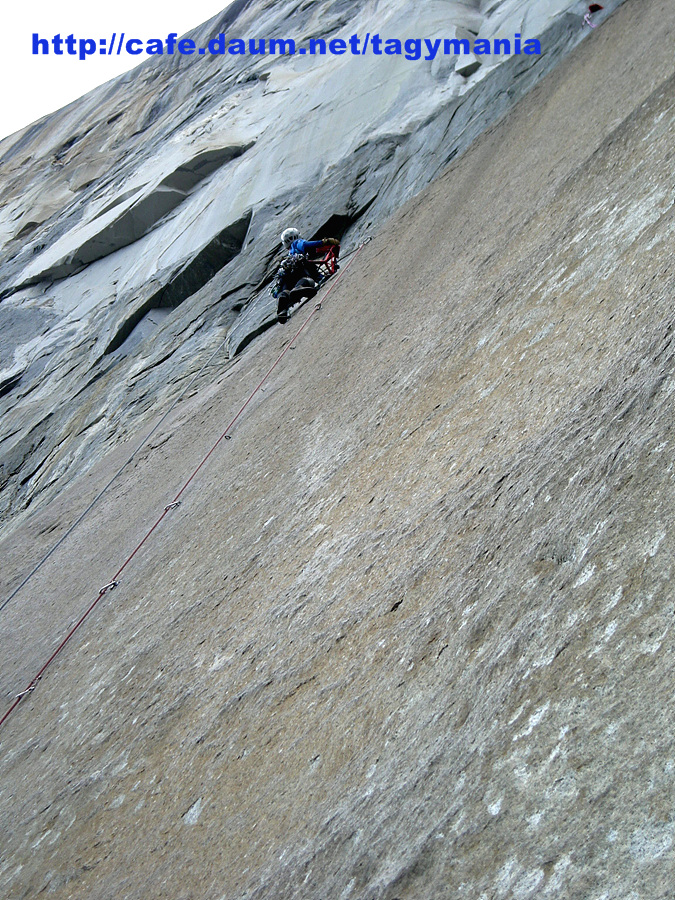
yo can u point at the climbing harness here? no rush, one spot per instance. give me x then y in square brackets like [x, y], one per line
[169, 507]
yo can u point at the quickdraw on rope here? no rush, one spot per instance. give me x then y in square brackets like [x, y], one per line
[169, 507]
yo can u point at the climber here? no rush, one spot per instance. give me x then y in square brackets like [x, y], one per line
[593, 8]
[299, 275]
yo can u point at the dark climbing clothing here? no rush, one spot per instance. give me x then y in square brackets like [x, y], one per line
[305, 288]
[299, 276]
[292, 269]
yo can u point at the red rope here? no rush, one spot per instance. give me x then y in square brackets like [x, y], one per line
[33, 684]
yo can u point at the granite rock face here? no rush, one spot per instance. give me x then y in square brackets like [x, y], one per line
[409, 635]
[140, 225]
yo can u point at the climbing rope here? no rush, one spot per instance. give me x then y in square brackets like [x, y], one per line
[36, 568]
[113, 583]
[114, 478]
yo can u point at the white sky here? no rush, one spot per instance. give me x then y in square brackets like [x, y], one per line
[33, 86]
